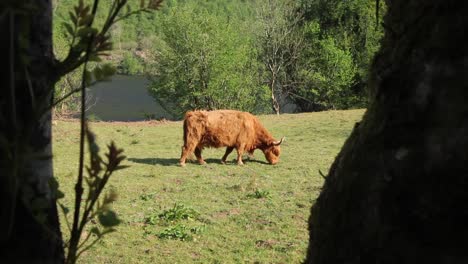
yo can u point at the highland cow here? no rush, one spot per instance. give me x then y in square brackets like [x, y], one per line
[227, 128]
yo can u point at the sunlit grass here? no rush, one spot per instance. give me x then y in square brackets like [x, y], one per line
[251, 213]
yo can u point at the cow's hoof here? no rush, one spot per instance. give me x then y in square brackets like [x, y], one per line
[240, 163]
[202, 162]
[223, 162]
[182, 164]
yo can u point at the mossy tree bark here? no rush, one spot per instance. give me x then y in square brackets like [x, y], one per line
[397, 192]
[29, 226]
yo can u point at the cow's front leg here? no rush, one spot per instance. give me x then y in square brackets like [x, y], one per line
[240, 151]
[198, 152]
[226, 154]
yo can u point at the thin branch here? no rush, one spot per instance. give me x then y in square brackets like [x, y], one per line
[58, 101]
[97, 193]
[66, 219]
[90, 105]
[85, 240]
[130, 14]
[71, 63]
[75, 236]
[111, 20]
[76, 59]
[87, 247]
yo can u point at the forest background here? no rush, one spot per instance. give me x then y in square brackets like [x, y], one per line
[255, 56]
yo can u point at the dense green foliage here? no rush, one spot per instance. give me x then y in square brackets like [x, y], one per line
[341, 38]
[256, 56]
[204, 62]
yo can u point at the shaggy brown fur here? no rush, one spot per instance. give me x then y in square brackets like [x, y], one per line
[227, 128]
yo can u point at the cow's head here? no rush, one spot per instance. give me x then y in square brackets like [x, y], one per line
[272, 151]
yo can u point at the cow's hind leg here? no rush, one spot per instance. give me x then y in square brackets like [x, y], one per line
[240, 151]
[250, 154]
[186, 150]
[226, 154]
[198, 152]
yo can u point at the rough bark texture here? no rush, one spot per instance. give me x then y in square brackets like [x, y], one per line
[397, 192]
[29, 227]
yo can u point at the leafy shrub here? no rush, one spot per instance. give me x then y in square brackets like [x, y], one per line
[131, 65]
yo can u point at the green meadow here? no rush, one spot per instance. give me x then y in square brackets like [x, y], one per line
[213, 213]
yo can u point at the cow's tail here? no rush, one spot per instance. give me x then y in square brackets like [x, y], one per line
[186, 127]
[185, 130]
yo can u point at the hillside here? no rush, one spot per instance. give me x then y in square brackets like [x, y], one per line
[251, 213]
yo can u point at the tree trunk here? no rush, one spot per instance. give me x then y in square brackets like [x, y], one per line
[29, 226]
[274, 102]
[397, 192]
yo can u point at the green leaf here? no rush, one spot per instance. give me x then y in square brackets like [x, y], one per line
[86, 31]
[85, 11]
[73, 17]
[108, 219]
[86, 20]
[65, 209]
[69, 29]
[95, 230]
[77, 10]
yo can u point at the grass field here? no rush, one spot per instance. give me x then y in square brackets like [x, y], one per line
[256, 213]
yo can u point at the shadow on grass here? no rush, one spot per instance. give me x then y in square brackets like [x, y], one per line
[175, 162]
[156, 161]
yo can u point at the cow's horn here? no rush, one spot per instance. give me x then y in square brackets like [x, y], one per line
[277, 143]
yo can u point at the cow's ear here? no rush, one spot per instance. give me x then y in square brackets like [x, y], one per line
[277, 143]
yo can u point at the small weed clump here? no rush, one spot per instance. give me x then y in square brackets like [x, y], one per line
[179, 212]
[175, 216]
[180, 232]
[147, 196]
[260, 194]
